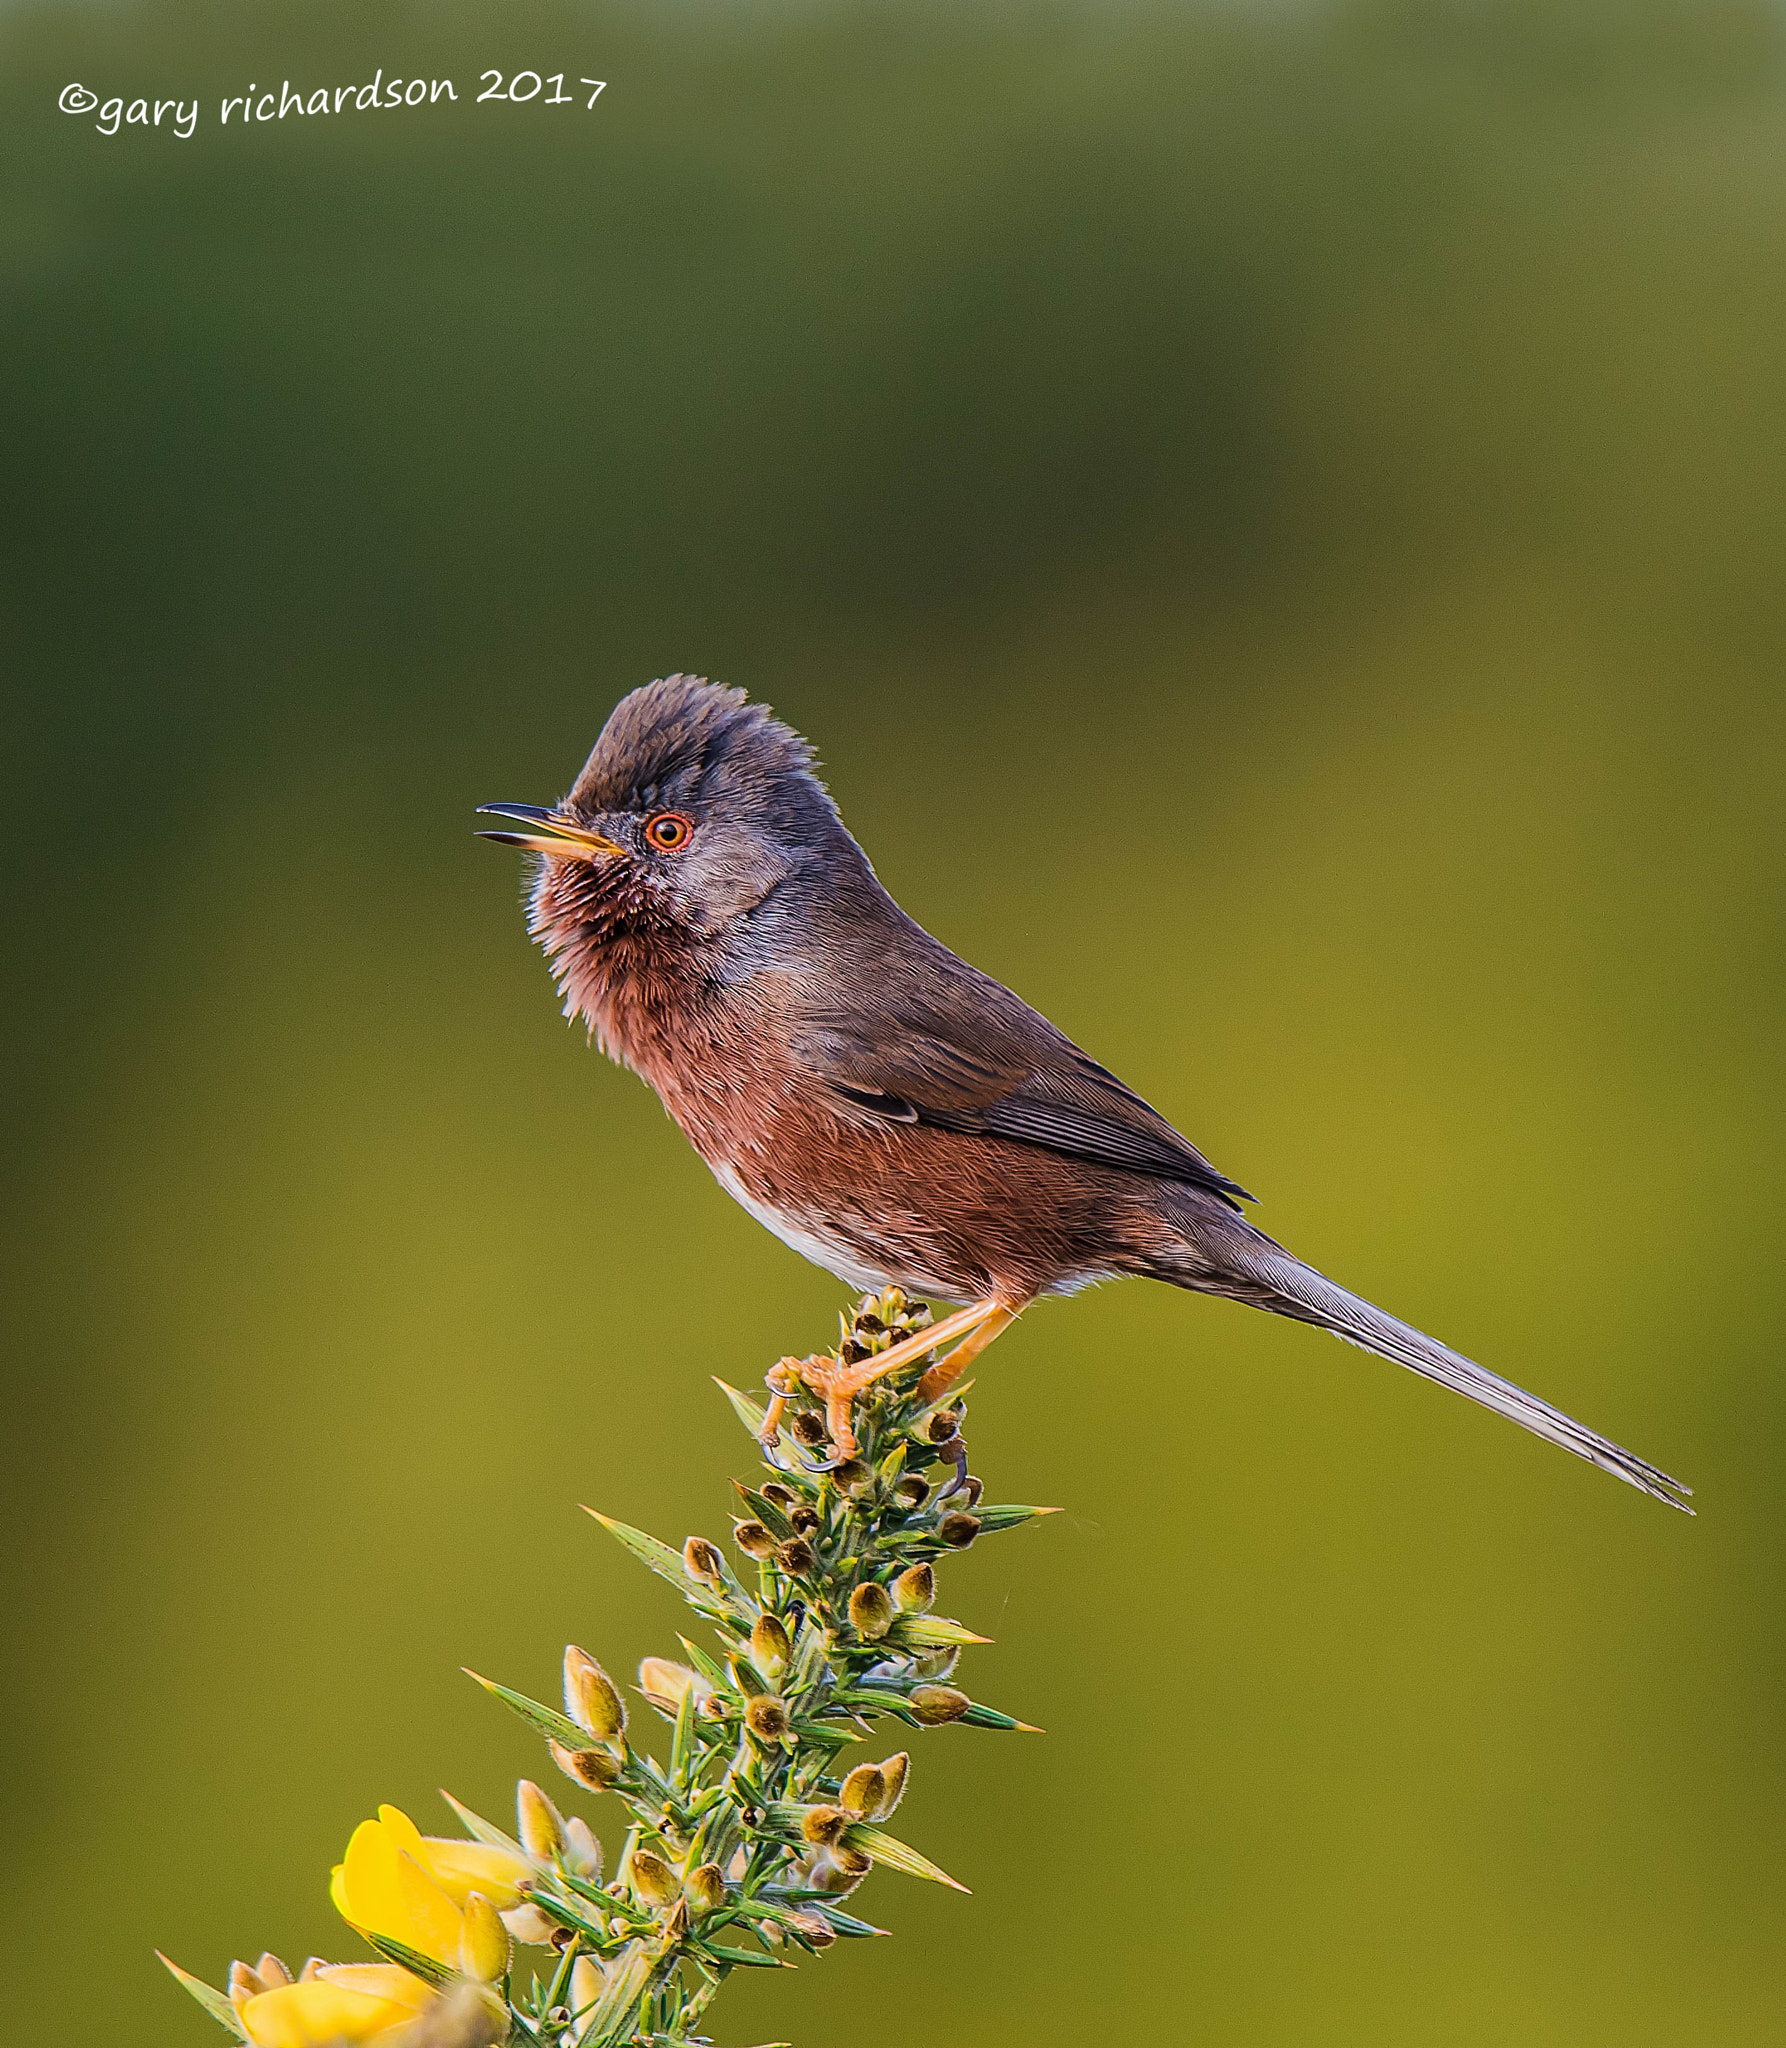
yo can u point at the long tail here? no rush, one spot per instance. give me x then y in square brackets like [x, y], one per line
[1229, 1257]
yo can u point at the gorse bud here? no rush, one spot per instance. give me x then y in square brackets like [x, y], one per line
[805, 1520]
[796, 1556]
[753, 1539]
[653, 1879]
[582, 1852]
[784, 1497]
[586, 1985]
[852, 1475]
[595, 1768]
[863, 1791]
[809, 1427]
[702, 1562]
[911, 1491]
[483, 1941]
[271, 1971]
[816, 1928]
[893, 1772]
[958, 1530]
[914, 1591]
[936, 1704]
[941, 1426]
[770, 1647]
[663, 1682]
[823, 1826]
[589, 1695]
[540, 1823]
[871, 1609]
[766, 1717]
[705, 1886]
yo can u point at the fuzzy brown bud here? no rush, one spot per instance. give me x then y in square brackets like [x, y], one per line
[594, 1768]
[805, 1520]
[893, 1772]
[823, 1826]
[589, 1695]
[706, 1888]
[796, 1556]
[783, 1497]
[766, 1716]
[914, 1591]
[958, 1530]
[871, 1609]
[541, 1824]
[852, 1862]
[816, 1928]
[941, 1426]
[809, 1428]
[863, 1791]
[971, 1489]
[911, 1491]
[653, 1879]
[936, 1704]
[753, 1539]
[770, 1647]
[852, 1475]
[702, 1562]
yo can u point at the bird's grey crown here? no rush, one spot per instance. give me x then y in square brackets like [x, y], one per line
[683, 741]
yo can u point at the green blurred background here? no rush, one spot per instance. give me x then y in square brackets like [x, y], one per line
[1276, 522]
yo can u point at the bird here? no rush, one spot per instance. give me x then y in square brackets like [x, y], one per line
[889, 1111]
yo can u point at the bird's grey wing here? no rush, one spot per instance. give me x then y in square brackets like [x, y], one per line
[1016, 1077]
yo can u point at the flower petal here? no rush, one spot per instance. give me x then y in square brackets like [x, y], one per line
[319, 2014]
[388, 1892]
[378, 1980]
[461, 1868]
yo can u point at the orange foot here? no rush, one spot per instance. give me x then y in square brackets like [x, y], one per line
[838, 1384]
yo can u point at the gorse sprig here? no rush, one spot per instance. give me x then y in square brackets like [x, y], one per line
[746, 1837]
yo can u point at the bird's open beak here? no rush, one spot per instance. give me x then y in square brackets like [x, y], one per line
[568, 841]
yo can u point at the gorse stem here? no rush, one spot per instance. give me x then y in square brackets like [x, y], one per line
[744, 1843]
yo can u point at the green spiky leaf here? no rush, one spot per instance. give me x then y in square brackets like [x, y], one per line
[547, 1721]
[978, 1716]
[410, 1959]
[933, 1632]
[741, 1958]
[656, 1556]
[481, 1830]
[897, 1855]
[214, 2002]
[993, 1519]
[746, 1410]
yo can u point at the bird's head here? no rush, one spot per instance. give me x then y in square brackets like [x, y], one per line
[694, 806]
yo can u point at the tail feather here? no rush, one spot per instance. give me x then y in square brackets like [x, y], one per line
[1248, 1266]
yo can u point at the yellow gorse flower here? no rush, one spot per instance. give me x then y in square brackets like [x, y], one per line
[340, 2002]
[419, 1889]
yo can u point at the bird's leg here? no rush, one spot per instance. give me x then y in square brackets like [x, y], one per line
[782, 1381]
[839, 1384]
[946, 1371]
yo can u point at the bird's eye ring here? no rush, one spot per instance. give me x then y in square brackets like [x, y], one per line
[669, 831]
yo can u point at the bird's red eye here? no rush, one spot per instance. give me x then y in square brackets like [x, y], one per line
[669, 830]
